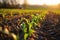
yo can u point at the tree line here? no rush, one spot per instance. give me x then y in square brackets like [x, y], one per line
[10, 4]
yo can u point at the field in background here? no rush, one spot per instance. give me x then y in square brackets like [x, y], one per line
[27, 10]
[19, 10]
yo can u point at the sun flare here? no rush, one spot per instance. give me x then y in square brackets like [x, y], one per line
[40, 2]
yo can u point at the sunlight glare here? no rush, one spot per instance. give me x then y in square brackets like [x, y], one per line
[40, 2]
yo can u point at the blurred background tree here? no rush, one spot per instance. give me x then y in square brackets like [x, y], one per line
[25, 4]
[9, 4]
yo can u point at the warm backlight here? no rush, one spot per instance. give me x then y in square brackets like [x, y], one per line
[40, 2]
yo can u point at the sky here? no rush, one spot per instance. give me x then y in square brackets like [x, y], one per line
[48, 2]
[40, 2]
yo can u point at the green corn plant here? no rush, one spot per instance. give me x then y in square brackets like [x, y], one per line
[30, 30]
[25, 36]
[35, 20]
[30, 25]
[24, 28]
